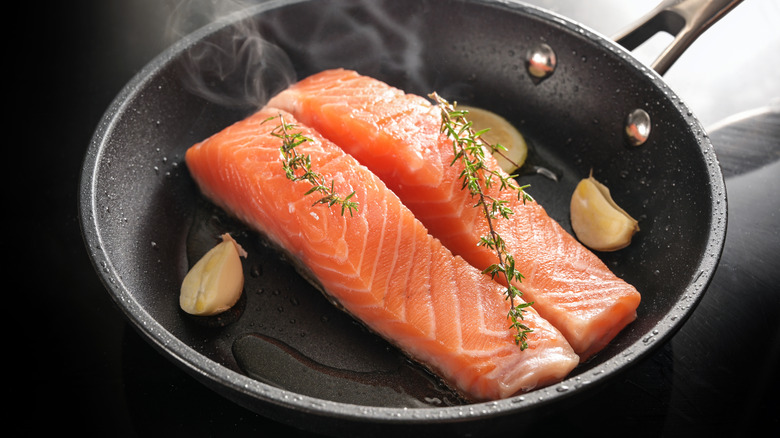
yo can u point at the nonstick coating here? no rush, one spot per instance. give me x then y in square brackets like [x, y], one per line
[284, 351]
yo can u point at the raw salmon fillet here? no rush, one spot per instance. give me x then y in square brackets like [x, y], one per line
[397, 136]
[379, 265]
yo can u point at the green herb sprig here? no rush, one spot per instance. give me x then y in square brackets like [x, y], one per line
[469, 148]
[298, 167]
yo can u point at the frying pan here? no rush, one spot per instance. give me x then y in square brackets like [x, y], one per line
[283, 351]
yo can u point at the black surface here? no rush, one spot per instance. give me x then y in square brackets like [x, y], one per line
[87, 370]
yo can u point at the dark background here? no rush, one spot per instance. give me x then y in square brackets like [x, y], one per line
[85, 369]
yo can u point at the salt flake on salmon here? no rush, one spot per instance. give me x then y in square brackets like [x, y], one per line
[379, 264]
[398, 137]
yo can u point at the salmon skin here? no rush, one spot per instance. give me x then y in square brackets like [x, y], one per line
[398, 137]
[379, 264]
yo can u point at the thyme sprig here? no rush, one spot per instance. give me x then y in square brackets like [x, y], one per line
[297, 167]
[469, 148]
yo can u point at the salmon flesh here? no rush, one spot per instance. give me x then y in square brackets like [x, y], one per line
[398, 137]
[378, 264]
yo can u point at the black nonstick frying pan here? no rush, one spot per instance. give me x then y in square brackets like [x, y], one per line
[284, 351]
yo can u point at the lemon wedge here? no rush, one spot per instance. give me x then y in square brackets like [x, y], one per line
[501, 132]
[598, 222]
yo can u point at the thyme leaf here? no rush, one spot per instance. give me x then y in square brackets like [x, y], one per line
[469, 148]
[297, 167]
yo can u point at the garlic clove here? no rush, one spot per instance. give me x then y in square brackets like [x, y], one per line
[598, 222]
[215, 282]
[501, 132]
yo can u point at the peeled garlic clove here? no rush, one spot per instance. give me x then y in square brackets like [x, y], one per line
[215, 282]
[501, 132]
[598, 222]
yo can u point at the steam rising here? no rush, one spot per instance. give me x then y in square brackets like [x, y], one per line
[234, 67]
[378, 38]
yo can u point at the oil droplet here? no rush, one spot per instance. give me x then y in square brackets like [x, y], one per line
[256, 271]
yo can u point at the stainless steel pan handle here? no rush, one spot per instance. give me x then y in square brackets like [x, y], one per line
[684, 19]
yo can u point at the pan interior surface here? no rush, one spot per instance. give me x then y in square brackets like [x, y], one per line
[284, 349]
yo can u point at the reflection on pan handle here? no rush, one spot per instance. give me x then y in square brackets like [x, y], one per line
[683, 19]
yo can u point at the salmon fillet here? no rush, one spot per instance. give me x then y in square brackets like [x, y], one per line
[380, 265]
[397, 136]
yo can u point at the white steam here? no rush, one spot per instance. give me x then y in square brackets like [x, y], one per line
[235, 66]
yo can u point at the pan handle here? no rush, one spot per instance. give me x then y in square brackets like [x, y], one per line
[683, 19]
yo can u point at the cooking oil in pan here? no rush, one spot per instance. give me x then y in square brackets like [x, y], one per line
[285, 333]
[392, 382]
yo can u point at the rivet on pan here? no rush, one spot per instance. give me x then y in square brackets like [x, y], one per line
[637, 127]
[541, 62]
